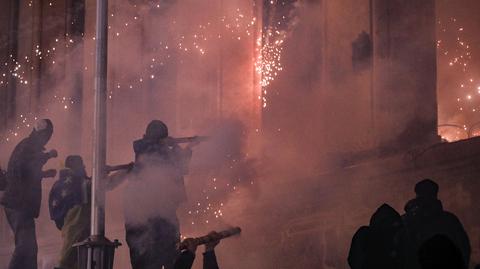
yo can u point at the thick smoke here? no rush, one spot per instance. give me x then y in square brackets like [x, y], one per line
[215, 94]
[191, 64]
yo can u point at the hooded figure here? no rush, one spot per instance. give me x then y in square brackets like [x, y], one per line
[69, 190]
[152, 197]
[23, 193]
[69, 206]
[380, 245]
[425, 218]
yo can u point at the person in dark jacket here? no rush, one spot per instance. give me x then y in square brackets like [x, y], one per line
[379, 245]
[69, 205]
[425, 218]
[187, 256]
[23, 193]
[152, 196]
[357, 254]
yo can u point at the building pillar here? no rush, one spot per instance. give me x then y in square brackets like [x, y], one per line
[8, 86]
[74, 68]
[405, 72]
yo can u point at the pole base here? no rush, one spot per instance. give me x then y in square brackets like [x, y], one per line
[96, 252]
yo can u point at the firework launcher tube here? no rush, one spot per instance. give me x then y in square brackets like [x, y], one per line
[191, 139]
[114, 168]
[207, 239]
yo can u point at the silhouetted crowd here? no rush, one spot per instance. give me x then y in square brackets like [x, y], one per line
[151, 224]
[425, 236]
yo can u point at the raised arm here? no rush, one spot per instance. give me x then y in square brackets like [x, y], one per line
[209, 257]
[187, 256]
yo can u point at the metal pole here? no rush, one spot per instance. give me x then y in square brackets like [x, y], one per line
[99, 250]
[100, 124]
[97, 225]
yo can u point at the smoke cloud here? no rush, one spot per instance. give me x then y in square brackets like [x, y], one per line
[195, 65]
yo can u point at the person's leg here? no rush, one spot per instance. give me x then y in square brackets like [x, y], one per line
[75, 229]
[136, 237]
[166, 236]
[25, 253]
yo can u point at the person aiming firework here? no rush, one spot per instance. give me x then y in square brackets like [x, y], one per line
[189, 246]
[211, 237]
[153, 194]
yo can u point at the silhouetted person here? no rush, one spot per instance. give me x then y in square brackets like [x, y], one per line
[424, 218]
[23, 193]
[439, 252]
[380, 244]
[358, 248]
[69, 204]
[187, 256]
[152, 196]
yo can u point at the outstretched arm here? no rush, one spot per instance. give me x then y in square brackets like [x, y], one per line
[210, 260]
[114, 180]
[37, 161]
[209, 257]
[50, 173]
[43, 157]
[118, 177]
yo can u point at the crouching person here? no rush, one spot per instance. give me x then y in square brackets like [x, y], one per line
[187, 256]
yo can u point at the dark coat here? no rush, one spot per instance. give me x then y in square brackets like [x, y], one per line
[163, 151]
[69, 190]
[24, 177]
[425, 218]
[163, 154]
[380, 245]
[358, 248]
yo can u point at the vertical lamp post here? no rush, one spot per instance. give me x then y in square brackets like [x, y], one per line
[97, 251]
[100, 122]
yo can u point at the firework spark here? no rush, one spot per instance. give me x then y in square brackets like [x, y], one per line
[454, 47]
